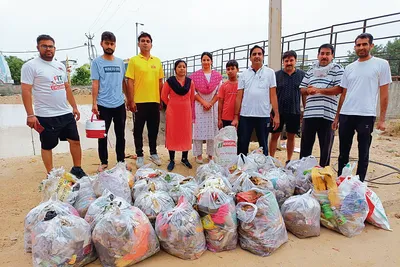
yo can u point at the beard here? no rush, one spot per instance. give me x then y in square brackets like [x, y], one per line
[108, 51]
[47, 57]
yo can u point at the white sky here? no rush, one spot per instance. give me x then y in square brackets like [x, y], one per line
[179, 27]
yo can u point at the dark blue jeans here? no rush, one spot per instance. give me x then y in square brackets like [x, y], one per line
[245, 129]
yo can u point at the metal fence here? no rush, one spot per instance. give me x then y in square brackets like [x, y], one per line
[384, 29]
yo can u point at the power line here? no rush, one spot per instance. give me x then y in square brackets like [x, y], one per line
[115, 11]
[100, 14]
[35, 51]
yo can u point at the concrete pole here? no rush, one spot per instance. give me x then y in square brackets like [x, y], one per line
[275, 34]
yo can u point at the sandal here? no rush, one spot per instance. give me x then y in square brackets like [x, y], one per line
[199, 160]
[102, 167]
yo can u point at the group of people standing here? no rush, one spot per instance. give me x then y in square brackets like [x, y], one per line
[198, 105]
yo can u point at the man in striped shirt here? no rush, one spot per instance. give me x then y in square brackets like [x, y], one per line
[319, 89]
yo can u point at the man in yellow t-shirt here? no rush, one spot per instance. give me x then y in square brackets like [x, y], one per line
[145, 74]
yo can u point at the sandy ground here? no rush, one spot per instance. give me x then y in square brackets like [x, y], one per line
[19, 193]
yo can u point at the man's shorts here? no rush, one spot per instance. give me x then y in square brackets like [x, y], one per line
[57, 128]
[292, 122]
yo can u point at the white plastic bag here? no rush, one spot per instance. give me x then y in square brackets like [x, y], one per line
[187, 188]
[147, 172]
[210, 169]
[301, 214]
[62, 240]
[180, 231]
[38, 213]
[283, 183]
[114, 180]
[85, 196]
[145, 185]
[62, 183]
[154, 202]
[302, 172]
[124, 237]
[225, 146]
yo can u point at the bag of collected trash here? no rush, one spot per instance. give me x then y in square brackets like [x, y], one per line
[187, 188]
[62, 183]
[302, 173]
[283, 183]
[261, 226]
[147, 172]
[376, 215]
[248, 180]
[218, 216]
[153, 202]
[217, 181]
[263, 162]
[172, 179]
[144, 185]
[102, 205]
[114, 180]
[208, 170]
[62, 240]
[124, 237]
[38, 213]
[180, 231]
[301, 214]
[244, 163]
[225, 146]
[85, 196]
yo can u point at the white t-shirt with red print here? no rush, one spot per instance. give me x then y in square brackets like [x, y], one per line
[48, 80]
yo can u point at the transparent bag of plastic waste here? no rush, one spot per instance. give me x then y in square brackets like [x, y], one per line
[217, 181]
[263, 162]
[187, 188]
[218, 216]
[147, 172]
[302, 172]
[124, 237]
[62, 240]
[85, 196]
[154, 202]
[248, 180]
[102, 205]
[38, 213]
[180, 231]
[283, 183]
[144, 185]
[266, 232]
[62, 183]
[210, 169]
[301, 214]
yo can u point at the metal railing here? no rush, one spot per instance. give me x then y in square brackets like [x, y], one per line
[384, 29]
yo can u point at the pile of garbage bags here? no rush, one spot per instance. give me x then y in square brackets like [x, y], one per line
[180, 231]
[302, 172]
[261, 228]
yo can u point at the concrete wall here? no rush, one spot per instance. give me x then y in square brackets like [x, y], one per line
[393, 110]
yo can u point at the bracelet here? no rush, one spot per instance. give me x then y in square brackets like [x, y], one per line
[30, 116]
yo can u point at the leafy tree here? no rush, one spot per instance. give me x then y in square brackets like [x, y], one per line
[81, 75]
[15, 65]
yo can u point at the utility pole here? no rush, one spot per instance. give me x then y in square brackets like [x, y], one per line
[91, 53]
[137, 35]
[275, 34]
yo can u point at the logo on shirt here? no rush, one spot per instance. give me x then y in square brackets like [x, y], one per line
[111, 69]
[153, 66]
[57, 83]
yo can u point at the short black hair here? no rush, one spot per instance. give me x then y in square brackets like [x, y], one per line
[257, 46]
[232, 63]
[365, 35]
[289, 53]
[177, 63]
[44, 37]
[108, 36]
[206, 54]
[329, 46]
[144, 34]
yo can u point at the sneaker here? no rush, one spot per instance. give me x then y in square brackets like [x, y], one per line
[78, 172]
[171, 165]
[155, 159]
[186, 163]
[199, 160]
[139, 162]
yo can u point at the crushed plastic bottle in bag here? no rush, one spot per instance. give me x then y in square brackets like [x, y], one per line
[180, 231]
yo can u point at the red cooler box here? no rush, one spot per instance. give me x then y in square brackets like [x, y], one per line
[95, 128]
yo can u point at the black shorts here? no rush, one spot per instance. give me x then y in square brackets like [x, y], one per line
[57, 128]
[292, 122]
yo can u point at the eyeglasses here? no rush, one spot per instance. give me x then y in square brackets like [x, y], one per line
[45, 47]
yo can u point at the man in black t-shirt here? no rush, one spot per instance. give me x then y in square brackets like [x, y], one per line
[288, 82]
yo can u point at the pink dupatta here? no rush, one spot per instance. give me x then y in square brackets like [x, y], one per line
[203, 86]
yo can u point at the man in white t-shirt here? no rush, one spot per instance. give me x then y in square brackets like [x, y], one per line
[362, 81]
[46, 80]
[256, 90]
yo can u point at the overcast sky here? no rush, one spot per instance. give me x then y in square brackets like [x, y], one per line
[179, 27]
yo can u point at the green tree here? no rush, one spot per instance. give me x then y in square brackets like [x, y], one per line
[81, 75]
[393, 56]
[378, 51]
[15, 65]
